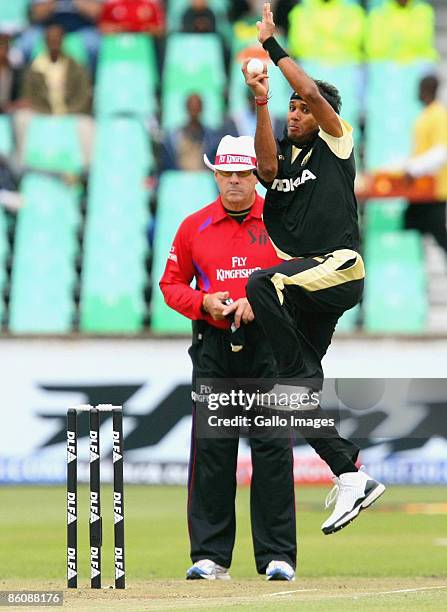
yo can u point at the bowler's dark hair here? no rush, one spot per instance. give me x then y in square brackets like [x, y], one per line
[329, 93]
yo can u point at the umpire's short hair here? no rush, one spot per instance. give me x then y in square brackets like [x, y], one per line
[329, 93]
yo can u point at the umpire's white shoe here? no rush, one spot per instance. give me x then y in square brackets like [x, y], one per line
[280, 570]
[354, 491]
[207, 570]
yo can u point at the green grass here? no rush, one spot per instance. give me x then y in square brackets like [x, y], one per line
[385, 541]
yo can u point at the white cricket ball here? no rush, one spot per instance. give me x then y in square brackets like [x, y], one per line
[255, 66]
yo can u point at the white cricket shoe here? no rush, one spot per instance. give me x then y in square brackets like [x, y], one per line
[280, 570]
[207, 570]
[354, 491]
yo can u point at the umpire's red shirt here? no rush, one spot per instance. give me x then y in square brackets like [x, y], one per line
[219, 253]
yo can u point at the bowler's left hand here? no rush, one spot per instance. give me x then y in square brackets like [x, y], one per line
[242, 311]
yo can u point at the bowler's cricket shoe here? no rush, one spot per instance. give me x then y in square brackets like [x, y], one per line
[207, 570]
[354, 491]
[280, 570]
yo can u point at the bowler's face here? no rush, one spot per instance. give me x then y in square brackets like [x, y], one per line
[301, 125]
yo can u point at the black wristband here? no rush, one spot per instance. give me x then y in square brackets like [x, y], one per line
[274, 49]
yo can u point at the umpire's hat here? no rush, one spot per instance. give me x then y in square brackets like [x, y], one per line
[234, 154]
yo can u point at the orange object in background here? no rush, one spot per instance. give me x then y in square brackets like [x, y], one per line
[132, 16]
[392, 185]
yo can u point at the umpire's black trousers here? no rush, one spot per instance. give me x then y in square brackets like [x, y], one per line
[213, 461]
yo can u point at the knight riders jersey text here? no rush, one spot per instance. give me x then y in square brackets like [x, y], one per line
[219, 253]
[310, 207]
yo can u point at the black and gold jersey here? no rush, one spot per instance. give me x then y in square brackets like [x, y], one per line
[310, 207]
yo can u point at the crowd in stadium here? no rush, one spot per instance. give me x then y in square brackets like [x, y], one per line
[55, 59]
[48, 67]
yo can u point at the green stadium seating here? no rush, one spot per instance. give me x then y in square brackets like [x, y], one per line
[6, 137]
[52, 144]
[133, 48]
[13, 14]
[388, 135]
[395, 299]
[115, 239]
[45, 249]
[73, 46]
[197, 190]
[348, 80]
[193, 64]
[384, 216]
[127, 75]
[124, 87]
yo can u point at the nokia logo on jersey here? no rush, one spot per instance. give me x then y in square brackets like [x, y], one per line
[291, 184]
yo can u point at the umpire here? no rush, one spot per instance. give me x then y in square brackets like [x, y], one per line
[220, 246]
[311, 217]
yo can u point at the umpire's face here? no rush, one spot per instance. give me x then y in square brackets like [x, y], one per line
[237, 189]
[301, 125]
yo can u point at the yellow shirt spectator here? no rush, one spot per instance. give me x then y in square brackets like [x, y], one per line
[329, 31]
[401, 31]
[430, 146]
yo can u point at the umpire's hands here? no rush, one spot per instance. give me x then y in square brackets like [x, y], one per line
[212, 303]
[242, 311]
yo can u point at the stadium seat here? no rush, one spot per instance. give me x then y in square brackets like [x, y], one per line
[128, 60]
[388, 136]
[13, 14]
[127, 47]
[384, 216]
[124, 87]
[115, 238]
[193, 64]
[45, 249]
[6, 136]
[395, 299]
[52, 143]
[115, 137]
[348, 80]
[197, 189]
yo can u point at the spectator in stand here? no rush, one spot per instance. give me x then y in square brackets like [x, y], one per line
[9, 77]
[199, 18]
[326, 30]
[401, 31]
[133, 16]
[73, 15]
[183, 148]
[429, 158]
[55, 84]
